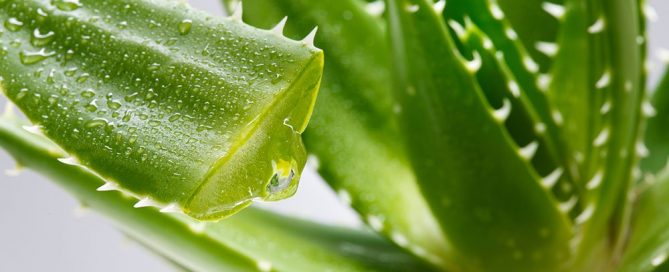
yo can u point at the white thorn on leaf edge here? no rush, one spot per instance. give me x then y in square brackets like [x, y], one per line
[585, 215]
[411, 8]
[648, 109]
[502, 113]
[604, 81]
[375, 8]
[439, 6]
[547, 48]
[311, 37]
[514, 88]
[146, 202]
[399, 239]
[641, 150]
[239, 11]
[344, 197]
[544, 81]
[511, 34]
[551, 179]
[529, 150]
[108, 186]
[598, 26]
[659, 259]
[595, 181]
[557, 117]
[171, 208]
[70, 161]
[475, 64]
[602, 137]
[530, 64]
[553, 9]
[496, 11]
[375, 222]
[457, 28]
[568, 205]
[34, 129]
[278, 28]
[650, 13]
[606, 107]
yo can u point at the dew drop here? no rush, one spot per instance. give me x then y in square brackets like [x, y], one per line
[41, 39]
[28, 57]
[185, 26]
[13, 24]
[97, 122]
[66, 5]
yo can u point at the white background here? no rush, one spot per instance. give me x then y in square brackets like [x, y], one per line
[41, 230]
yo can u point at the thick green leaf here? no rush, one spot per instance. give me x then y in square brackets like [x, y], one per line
[657, 133]
[648, 246]
[535, 27]
[490, 18]
[353, 132]
[522, 123]
[253, 240]
[597, 84]
[475, 178]
[179, 109]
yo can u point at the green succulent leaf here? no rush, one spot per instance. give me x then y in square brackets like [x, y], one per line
[355, 117]
[473, 175]
[648, 245]
[488, 16]
[253, 240]
[179, 109]
[658, 129]
[601, 105]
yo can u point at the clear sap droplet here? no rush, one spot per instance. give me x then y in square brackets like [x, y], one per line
[66, 5]
[41, 39]
[282, 178]
[97, 122]
[13, 24]
[185, 26]
[28, 57]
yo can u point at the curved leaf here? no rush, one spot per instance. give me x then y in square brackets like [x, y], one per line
[353, 132]
[253, 240]
[474, 177]
[176, 108]
[657, 133]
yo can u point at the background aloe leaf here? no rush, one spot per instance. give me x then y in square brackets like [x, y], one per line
[175, 107]
[353, 132]
[602, 38]
[657, 133]
[488, 16]
[250, 241]
[523, 123]
[473, 175]
[647, 248]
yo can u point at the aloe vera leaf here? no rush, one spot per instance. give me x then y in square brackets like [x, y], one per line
[658, 131]
[522, 123]
[473, 175]
[605, 34]
[488, 16]
[170, 104]
[252, 240]
[647, 248]
[535, 27]
[355, 118]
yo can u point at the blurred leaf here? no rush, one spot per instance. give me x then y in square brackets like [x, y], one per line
[253, 240]
[353, 132]
[473, 175]
[657, 133]
[164, 101]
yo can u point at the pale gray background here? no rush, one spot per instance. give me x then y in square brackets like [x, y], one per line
[41, 229]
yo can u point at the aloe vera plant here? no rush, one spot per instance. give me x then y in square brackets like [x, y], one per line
[470, 135]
